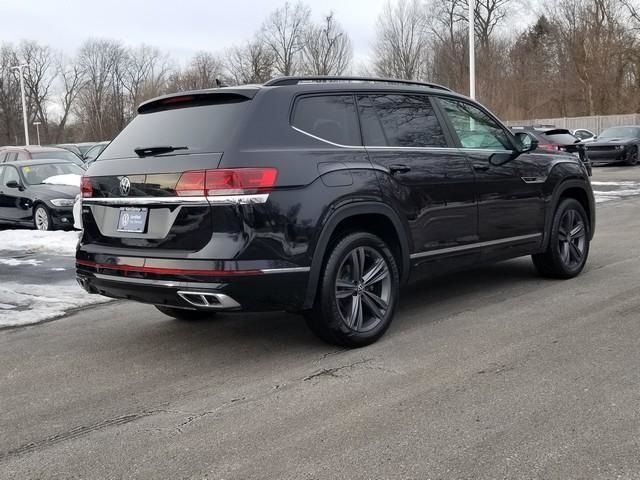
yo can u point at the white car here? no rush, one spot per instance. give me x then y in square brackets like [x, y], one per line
[584, 135]
[77, 213]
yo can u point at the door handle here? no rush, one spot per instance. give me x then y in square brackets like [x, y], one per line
[399, 169]
[480, 167]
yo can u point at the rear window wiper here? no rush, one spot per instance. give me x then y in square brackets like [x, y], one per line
[150, 151]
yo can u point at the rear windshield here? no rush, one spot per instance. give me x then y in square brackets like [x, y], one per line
[55, 155]
[561, 138]
[201, 129]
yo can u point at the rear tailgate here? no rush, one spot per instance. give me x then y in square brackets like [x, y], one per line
[131, 199]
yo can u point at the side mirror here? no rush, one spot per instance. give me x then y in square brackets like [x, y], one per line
[14, 184]
[500, 158]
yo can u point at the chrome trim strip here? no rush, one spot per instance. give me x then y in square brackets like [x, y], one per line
[109, 201]
[238, 199]
[286, 270]
[472, 246]
[533, 180]
[325, 141]
[191, 201]
[158, 283]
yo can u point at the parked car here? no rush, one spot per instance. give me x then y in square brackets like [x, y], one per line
[616, 145]
[91, 154]
[35, 152]
[320, 195]
[585, 136]
[72, 147]
[553, 139]
[39, 193]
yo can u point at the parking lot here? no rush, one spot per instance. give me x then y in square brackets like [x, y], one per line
[494, 373]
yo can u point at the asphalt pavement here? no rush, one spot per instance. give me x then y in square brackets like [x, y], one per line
[492, 373]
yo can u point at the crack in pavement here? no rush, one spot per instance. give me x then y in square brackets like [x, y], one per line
[332, 372]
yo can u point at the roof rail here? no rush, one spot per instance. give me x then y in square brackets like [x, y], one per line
[282, 81]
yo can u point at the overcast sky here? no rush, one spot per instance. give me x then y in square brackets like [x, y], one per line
[180, 27]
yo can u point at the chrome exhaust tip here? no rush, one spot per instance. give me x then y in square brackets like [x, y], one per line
[215, 301]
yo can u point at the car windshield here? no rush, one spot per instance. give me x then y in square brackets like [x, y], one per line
[621, 132]
[37, 174]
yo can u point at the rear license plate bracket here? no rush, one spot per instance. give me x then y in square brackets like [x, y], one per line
[132, 220]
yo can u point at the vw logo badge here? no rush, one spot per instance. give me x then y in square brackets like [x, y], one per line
[125, 186]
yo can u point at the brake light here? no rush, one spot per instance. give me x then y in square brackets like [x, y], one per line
[85, 187]
[237, 181]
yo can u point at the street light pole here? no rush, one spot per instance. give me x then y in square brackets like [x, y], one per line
[24, 102]
[37, 124]
[472, 49]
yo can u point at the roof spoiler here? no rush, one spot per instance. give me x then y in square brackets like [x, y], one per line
[196, 98]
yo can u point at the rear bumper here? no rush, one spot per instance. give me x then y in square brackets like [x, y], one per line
[277, 289]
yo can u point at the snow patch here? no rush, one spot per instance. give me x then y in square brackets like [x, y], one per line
[35, 241]
[14, 262]
[70, 179]
[23, 304]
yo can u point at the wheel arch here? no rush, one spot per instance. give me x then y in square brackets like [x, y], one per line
[578, 190]
[374, 217]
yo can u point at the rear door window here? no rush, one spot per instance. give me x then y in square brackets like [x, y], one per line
[200, 128]
[400, 121]
[331, 118]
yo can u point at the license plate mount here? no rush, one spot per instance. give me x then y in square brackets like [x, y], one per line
[132, 220]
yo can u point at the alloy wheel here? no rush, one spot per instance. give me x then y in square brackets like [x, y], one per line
[572, 235]
[363, 289]
[41, 219]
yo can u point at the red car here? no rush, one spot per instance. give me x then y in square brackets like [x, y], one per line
[35, 152]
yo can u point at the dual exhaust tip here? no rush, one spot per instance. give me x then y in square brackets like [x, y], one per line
[215, 301]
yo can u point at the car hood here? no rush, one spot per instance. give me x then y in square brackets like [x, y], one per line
[612, 141]
[48, 192]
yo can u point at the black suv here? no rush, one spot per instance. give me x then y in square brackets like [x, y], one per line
[320, 195]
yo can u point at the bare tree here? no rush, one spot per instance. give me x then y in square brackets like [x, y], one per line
[252, 63]
[146, 75]
[402, 41]
[100, 103]
[283, 33]
[327, 48]
[202, 72]
[10, 108]
[72, 80]
[39, 79]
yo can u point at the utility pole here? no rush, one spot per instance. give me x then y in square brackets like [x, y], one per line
[37, 124]
[472, 49]
[24, 102]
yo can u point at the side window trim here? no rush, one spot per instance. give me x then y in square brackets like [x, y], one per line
[324, 140]
[456, 138]
[6, 171]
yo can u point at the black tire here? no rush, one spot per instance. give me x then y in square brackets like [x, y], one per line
[335, 318]
[632, 157]
[181, 314]
[568, 247]
[42, 218]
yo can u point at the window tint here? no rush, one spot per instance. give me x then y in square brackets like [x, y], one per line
[400, 121]
[55, 155]
[11, 156]
[3, 156]
[330, 117]
[11, 174]
[583, 134]
[474, 128]
[21, 156]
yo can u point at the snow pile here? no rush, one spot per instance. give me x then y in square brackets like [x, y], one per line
[35, 241]
[24, 304]
[70, 179]
[611, 191]
[15, 262]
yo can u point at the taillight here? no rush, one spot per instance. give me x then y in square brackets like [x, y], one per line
[547, 146]
[237, 181]
[85, 187]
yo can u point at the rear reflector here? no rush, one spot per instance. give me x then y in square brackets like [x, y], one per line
[237, 181]
[85, 187]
